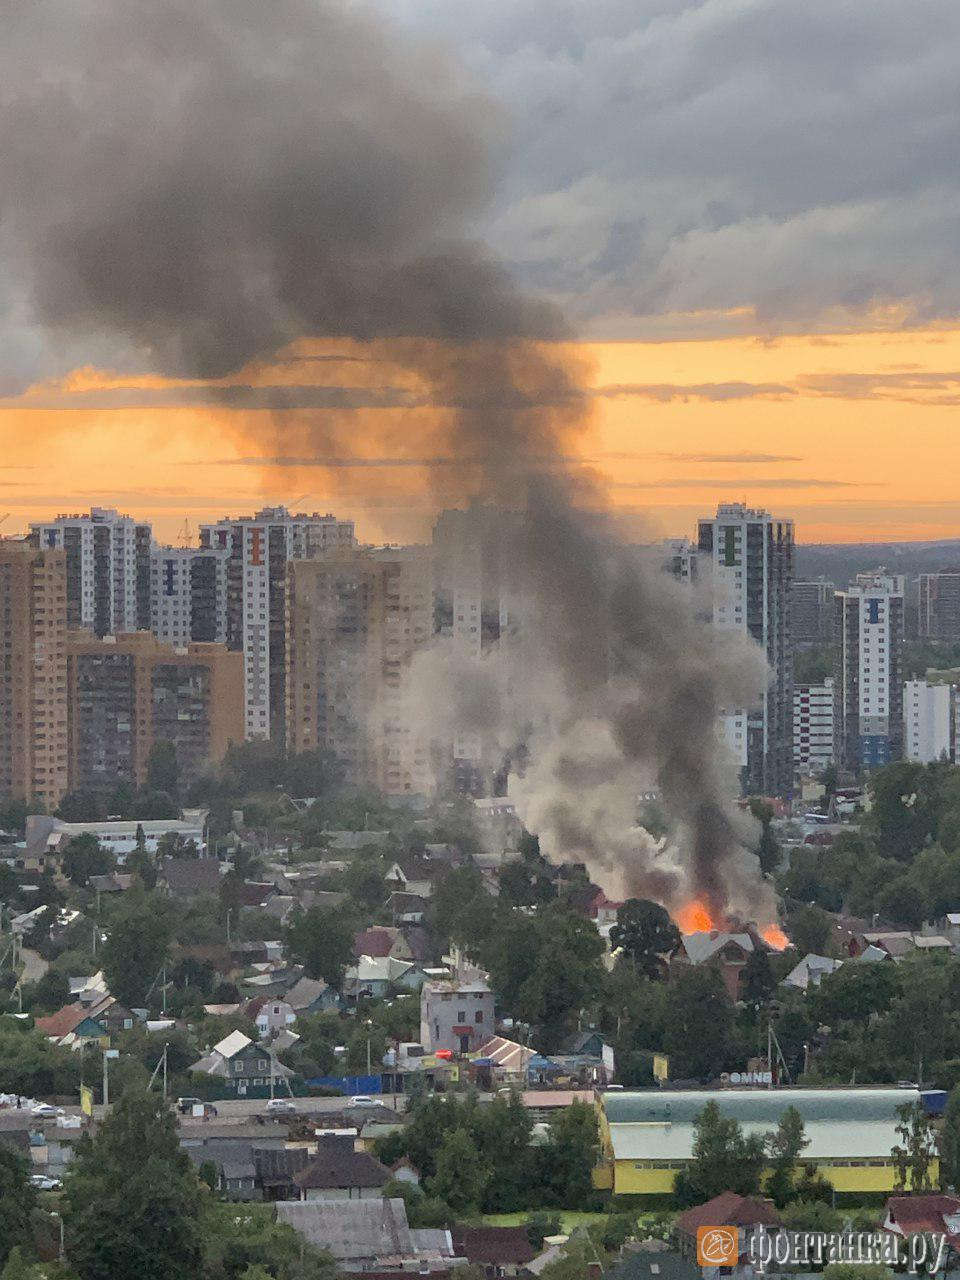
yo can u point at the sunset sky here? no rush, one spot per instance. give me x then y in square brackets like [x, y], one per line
[852, 434]
[747, 208]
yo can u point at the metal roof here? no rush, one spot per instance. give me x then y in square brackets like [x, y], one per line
[839, 1123]
[352, 1230]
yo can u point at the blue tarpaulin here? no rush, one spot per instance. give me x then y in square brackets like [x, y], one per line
[347, 1084]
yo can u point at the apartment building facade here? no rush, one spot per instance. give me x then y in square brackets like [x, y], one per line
[129, 691]
[259, 550]
[813, 727]
[929, 721]
[811, 612]
[355, 620]
[868, 657]
[33, 672]
[938, 616]
[108, 568]
[746, 557]
[188, 595]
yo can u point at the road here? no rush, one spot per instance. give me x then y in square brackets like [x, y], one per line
[34, 965]
[243, 1107]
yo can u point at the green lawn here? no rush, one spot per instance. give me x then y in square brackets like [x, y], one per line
[570, 1218]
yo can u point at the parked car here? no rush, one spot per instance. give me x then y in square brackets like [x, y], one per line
[363, 1100]
[46, 1111]
[41, 1182]
[281, 1107]
[186, 1105]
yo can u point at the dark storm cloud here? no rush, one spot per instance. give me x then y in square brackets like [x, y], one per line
[683, 155]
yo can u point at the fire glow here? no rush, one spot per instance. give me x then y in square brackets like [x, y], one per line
[695, 917]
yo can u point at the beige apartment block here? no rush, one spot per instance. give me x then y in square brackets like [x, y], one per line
[128, 691]
[355, 620]
[33, 672]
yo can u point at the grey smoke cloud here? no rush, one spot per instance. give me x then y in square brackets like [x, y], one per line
[204, 184]
[690, 155]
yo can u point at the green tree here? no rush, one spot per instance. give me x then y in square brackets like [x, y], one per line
[363, 881]
[502, 1132]
[916, 1151]
[541, 1224]
[855, 992]
[950, 1141]
[31, 1065]
[51, 992]
[252, 1245]
[311, 773]
[136, 948]
[567, 974]
[810, 928]
[645, 934]
[163, 768]
[322, 941]
[17, 1267]
[82, 806]
[699, 1033]
[367, 1044]
[767, 847]
[723, 1159]
[131, 1203]
[903, 902]
[84, 857]
[908, 802]
[462, 1176]
[567, 1158]
[759, 979]
[17, 1200]
[155, 806]
[785, 1147]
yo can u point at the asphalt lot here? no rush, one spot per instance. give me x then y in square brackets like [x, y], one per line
[242, 1108]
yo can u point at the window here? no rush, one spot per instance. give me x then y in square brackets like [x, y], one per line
[461, 1015]
[478, 1017]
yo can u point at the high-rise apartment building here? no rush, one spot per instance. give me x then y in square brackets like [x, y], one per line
[813, 727]
[33, 672]
[188, 595]
[108, 568]
[929, 714]
[680, 558]
[473, 583]
[811, 612]
[355, 620]
[260, 549]
[747, 557]
[938, 616]
[867, 670]
[128, 691]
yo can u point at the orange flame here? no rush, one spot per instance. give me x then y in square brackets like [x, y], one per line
[774, 936]
[695, 917]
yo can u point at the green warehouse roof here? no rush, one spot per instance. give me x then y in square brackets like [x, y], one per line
[839, 1123]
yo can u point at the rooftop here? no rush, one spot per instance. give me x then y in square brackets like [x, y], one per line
[840, 1123]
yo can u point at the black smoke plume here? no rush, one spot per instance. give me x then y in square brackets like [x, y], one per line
[205, 183]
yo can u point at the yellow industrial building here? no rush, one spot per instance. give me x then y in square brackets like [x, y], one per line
[647, 1135]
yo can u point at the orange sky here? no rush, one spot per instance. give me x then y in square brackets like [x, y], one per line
[854, 435]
